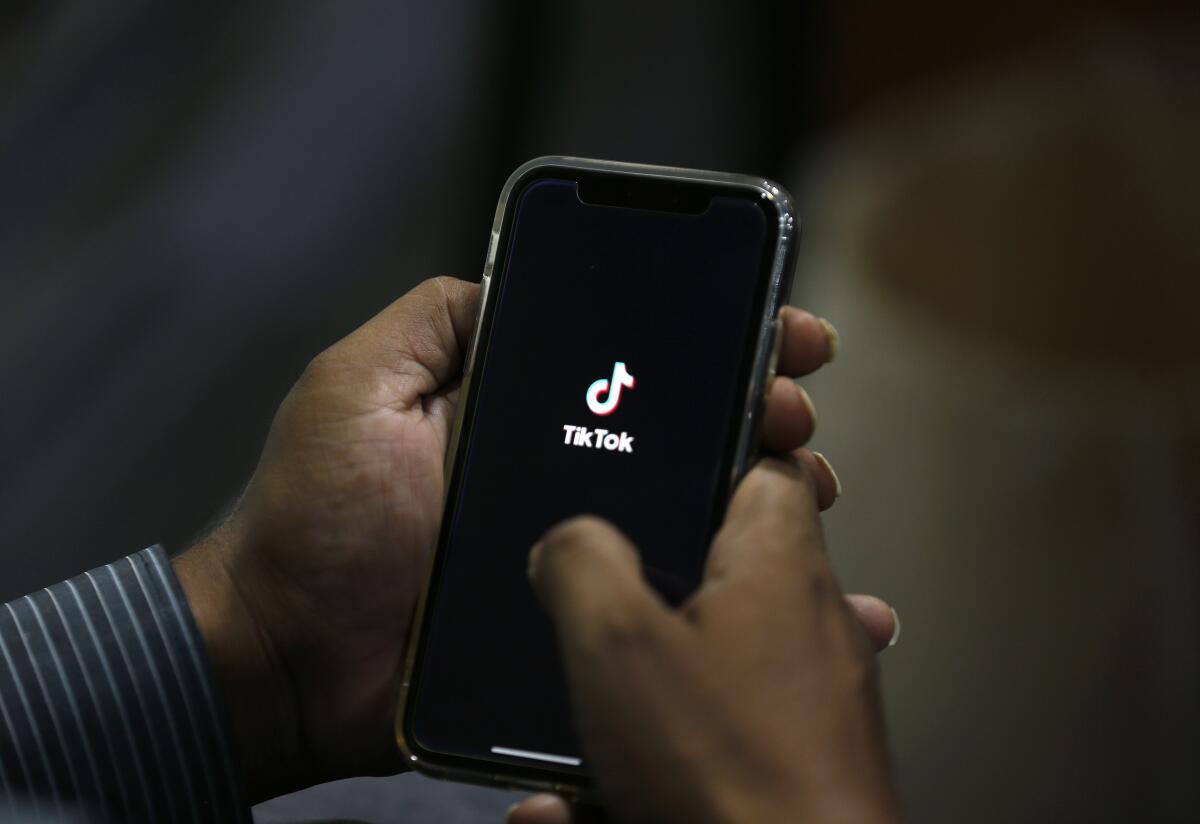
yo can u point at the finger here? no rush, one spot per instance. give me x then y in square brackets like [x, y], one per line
[789, 419]
[878, 618]
[540, 809]
[588, 577]
[618, 641]
[421, 338]
[808, 342]
[544, 808]
[829, 487]
[772, 527]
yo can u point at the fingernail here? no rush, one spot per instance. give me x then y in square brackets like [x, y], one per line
[896, 631]
[534, 554]
[833, 338]
[808, 402]
[837, 482]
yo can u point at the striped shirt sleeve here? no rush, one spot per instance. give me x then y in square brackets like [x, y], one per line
[108, 704]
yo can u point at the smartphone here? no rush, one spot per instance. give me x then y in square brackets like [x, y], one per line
[626, 331]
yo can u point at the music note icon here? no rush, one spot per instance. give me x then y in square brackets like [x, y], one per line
[620, 378]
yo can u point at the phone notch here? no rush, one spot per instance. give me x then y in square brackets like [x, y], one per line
[633, 192]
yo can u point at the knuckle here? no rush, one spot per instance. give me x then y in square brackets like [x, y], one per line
[434, 285]
[440, 288]
[319, 367]
[820, 588]
[420, 304]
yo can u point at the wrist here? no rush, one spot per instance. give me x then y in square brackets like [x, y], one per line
[258, 696]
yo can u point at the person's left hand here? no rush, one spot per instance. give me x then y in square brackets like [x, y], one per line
[305, 595]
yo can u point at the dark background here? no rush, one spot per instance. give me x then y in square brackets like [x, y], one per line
[1000, 214]
[195, 201]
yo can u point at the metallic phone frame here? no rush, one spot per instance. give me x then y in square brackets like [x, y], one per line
[766, 352]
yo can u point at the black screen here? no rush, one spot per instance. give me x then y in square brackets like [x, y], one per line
[584, 288]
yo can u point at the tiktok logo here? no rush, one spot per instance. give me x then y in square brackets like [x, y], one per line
[620, 379]
[602, 439]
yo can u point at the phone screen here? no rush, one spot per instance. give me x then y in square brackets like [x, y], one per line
[610, 380]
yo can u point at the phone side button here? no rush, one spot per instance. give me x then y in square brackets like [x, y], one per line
[773, 359]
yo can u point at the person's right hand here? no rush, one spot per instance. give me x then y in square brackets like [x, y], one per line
[757, 701]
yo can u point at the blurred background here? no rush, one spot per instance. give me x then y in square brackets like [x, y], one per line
[1000, 212]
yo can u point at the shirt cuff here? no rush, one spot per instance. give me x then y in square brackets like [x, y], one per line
[108, 704]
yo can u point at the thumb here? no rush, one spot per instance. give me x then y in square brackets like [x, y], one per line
[420, 340]
[552, 809]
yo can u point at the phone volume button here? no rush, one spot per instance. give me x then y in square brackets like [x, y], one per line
[773, 360]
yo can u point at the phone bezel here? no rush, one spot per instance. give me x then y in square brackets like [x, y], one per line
[775, 283]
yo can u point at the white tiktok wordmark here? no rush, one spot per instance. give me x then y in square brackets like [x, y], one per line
[597, 438]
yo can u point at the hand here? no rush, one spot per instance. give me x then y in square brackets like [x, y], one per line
[757, 701]
[305, 595]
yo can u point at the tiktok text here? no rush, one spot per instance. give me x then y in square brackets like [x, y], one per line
[597, 438]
